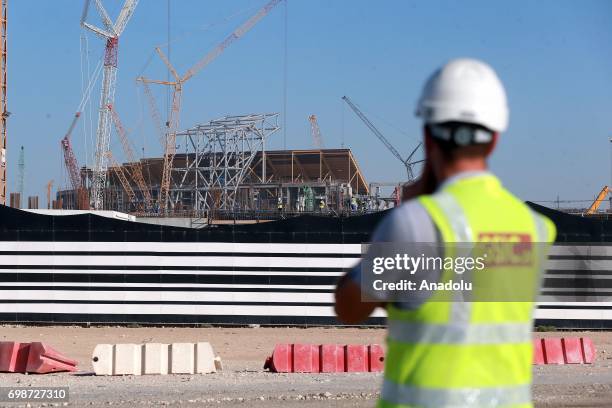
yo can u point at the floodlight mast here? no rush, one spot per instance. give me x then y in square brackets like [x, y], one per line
[111, 33]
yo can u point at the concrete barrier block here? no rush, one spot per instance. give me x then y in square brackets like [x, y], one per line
[204, 359]
[128, 359]
[182, 358]
[102, 359]
[155, 358]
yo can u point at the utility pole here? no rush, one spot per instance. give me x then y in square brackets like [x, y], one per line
[21, 174]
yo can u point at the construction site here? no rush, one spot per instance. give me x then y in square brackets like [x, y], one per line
[189, 242]
[215, 170]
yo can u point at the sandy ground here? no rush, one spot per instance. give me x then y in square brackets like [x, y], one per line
[243, 383]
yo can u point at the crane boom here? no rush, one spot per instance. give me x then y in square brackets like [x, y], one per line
[116, 167]
[154, 113]
[135, 165]
[406, 162]
[70, 159]
[177, 84]
[600, 197]
[235, 35]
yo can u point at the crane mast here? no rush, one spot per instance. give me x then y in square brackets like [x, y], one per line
[406, 162]
[177, 84]
[110, 33]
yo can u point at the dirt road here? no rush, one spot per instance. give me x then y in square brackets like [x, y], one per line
[243, 383]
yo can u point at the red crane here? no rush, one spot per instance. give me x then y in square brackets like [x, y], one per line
[72, 166]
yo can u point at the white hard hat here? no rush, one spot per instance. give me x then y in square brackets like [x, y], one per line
[465, 90]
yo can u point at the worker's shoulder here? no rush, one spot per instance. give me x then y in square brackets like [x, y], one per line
[409, 222]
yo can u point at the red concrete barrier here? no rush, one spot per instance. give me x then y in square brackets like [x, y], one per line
[325, 358]
[35, 357]
[565, 350]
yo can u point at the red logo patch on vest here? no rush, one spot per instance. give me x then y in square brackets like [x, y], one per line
[506, 248]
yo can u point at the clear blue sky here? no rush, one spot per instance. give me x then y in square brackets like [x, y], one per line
[554, 57]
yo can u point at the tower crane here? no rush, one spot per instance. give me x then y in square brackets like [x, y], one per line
[406, 162]
[135, 165]
[110, 33]
[177, 85]
[315, 131]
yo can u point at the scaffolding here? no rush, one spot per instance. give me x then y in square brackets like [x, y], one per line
[219, 156]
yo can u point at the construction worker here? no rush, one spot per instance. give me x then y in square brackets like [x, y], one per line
[455, 353]
[321, 205]
[279, 204]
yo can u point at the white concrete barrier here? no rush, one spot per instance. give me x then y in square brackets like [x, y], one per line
[155, 358]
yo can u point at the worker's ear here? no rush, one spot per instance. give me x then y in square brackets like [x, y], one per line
[428, 141]
[493, 143]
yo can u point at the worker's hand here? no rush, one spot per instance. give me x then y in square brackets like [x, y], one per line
[425, 184]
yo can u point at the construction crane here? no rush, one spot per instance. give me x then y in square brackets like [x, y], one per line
[110, 33]
[177, 85]
[155, 114]
[49, 187]
[4, 113]
[315, 131]
[116, 167]
[406, 162]
[70, 160]
[72, 166]
[600, 197]
[135, 165]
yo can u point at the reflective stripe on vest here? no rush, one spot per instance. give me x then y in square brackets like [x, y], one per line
[456, 397]
[453, 333]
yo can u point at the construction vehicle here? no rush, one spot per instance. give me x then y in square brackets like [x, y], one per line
[600, 197]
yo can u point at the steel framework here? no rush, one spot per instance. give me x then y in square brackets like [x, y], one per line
[218, 156]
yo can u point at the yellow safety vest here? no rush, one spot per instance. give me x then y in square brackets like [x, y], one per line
[466, 354]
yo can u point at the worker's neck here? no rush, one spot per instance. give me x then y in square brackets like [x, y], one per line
[455, 167]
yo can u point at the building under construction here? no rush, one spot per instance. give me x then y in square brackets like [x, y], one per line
[222, 167]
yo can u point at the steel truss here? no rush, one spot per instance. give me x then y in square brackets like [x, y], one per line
[217, 158]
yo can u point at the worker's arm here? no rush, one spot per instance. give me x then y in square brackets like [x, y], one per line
[350, 308]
